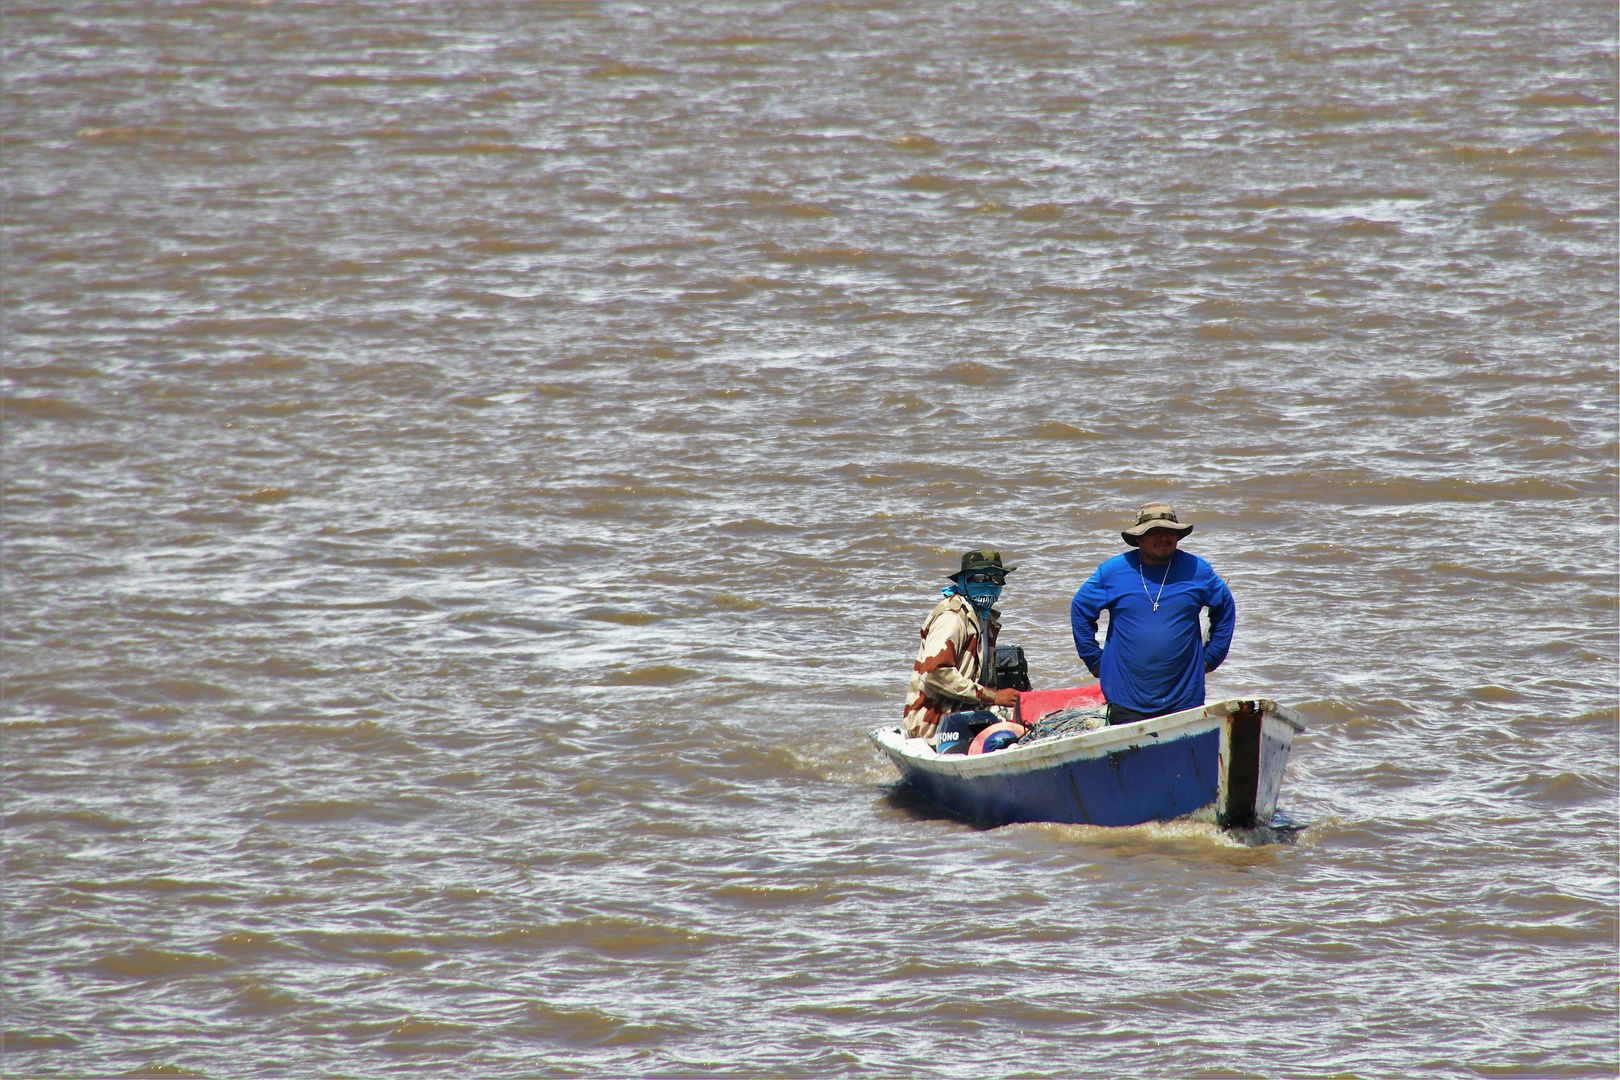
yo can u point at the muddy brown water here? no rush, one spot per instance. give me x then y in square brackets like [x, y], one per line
[474, 473]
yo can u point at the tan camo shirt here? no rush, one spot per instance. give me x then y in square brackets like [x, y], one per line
[945, 677]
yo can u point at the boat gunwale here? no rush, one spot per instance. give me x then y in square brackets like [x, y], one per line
[1081, 746]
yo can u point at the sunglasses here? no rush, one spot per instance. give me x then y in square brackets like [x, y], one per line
[982, 577]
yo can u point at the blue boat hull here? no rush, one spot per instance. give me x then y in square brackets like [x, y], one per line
[1154, 783]
[1153, 770]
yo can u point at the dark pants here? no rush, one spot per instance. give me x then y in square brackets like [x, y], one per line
[1119, 714]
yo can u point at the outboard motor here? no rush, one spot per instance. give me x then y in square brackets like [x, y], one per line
[959, 729]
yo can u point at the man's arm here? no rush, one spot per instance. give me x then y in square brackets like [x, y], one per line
[1083, 615]
[946, 683]
[1222, 621]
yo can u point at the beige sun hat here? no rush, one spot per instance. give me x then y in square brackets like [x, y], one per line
[1155, 516]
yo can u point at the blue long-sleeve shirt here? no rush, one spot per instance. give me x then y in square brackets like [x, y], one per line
[1153, 661]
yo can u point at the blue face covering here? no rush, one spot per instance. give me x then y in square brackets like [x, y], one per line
[981, 594]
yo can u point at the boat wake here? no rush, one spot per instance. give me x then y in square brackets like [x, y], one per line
[1199, 826]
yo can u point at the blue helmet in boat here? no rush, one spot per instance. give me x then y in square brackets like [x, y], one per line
[998, 740]
[994, 737]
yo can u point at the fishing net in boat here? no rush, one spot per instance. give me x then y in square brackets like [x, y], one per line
[1066, 722]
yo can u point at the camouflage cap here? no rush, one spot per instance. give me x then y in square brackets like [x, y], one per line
[982, 559]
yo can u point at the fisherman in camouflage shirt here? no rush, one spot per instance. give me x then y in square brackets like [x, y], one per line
[946, 677]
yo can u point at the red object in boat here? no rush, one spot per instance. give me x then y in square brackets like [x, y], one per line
[1034, 704]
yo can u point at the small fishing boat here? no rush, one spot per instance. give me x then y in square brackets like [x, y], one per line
[1225, 758]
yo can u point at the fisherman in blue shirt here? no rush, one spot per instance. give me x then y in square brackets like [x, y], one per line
[1155, 656]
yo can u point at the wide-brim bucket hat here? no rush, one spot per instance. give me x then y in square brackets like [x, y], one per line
[981, 559]
[1155, 516]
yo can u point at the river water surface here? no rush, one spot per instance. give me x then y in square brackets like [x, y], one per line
[474, 474]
